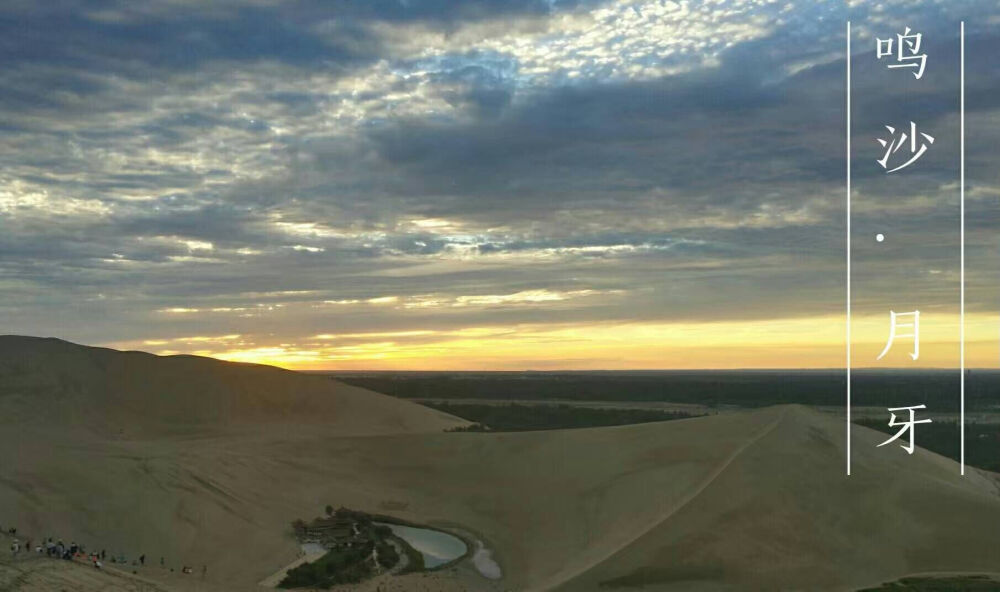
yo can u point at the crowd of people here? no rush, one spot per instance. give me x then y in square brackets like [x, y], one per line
[57, 549]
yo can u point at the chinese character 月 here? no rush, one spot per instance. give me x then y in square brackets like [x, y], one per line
[894, 143]
[907, 46]
[904, 426]
[913, 325]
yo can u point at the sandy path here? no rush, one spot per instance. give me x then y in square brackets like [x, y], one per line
[566, 575]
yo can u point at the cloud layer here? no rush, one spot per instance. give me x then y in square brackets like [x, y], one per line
[255, 175]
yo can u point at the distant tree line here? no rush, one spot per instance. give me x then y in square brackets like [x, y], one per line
[938, 389]
[521, 418]
[943, 583]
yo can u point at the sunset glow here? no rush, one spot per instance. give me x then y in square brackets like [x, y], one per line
[776, 343]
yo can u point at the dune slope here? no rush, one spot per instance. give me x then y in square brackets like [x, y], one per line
[53, 383]
[741, 501]
[782, 515]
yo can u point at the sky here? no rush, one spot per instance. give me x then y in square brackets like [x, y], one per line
[487, 184]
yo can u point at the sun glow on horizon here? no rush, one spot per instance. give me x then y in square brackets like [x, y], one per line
[794, 343]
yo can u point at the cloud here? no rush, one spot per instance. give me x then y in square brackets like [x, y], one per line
[274, 169]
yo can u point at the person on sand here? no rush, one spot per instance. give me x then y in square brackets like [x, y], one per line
[142, 559]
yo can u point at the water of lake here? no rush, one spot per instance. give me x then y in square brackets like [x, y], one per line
[436, 547]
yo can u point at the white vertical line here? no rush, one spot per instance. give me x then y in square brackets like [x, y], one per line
[848, 345]
[961, 201]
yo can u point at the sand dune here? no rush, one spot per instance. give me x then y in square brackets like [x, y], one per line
[49, 382]
[782, 515]
[742, 501]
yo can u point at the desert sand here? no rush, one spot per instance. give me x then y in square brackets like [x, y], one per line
[206, 463]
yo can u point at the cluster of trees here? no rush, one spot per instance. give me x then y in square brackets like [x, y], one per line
[388, 557]
[341, 565]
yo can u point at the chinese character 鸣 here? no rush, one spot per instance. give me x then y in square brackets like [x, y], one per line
[907, 46]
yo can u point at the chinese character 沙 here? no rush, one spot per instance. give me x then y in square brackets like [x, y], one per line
[894, 143]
